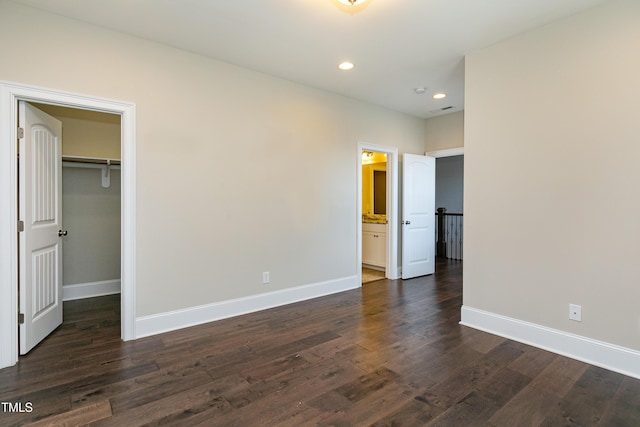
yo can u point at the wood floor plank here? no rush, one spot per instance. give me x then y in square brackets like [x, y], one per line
[413, 413]
[590, 397]
[533, 361]
[155, 389]
[464, 381]
[378, 402]
[479, 340]
[44, 405]
[275, 368]
[472, 410]
[179, 406]
[624, 409]
[288, 405]
[530, 407]
[365, 384]
[63, 380]
[560, 376]
[78, 417]
[390, 353]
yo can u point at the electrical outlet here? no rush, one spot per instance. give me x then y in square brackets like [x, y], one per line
[575, 312]
[265, 278]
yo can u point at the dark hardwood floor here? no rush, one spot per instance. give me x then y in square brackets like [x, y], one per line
[389, 354]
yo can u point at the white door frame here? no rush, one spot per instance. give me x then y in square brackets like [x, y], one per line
[449, 152]
[391, 268]
[10, 94]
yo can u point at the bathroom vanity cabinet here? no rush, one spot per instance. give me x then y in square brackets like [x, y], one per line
[374, 244]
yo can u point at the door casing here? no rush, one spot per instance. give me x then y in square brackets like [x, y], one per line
[10, 94]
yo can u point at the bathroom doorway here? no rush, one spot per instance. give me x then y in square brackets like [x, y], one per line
[374, 216]
[377, 212]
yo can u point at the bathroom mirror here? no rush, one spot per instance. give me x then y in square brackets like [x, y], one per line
[379, 192]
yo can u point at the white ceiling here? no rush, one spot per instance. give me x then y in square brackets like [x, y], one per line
[396, 45]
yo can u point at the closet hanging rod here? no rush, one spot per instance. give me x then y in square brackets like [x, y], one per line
[92, 160]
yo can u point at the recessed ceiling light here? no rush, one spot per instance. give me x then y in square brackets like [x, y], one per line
[346, 66]
[352, 2]
[439, 95]
[420, 90]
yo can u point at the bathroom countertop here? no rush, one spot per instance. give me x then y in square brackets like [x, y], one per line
[374, 219]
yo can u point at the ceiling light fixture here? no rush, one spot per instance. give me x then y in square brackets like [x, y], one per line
[420, 90]
[352, 2]
[346, 66]
[440, 95]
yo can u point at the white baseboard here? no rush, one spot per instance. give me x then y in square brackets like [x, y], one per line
[178, 319]
[609, 356]
[90, 290]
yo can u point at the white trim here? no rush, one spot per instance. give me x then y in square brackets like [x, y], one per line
[178, 319]
[10, 94]
[392, 208]
[446, 153]
[90, 290]
[609, 356]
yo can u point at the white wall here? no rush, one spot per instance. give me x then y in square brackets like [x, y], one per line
[551, 163]
[237, 172]
[445, 132]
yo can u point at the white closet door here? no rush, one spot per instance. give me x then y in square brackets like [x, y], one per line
[41, 211]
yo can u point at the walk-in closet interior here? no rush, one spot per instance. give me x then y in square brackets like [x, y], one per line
[90, 201]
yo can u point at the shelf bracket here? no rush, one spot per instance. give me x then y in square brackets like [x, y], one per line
[106, 175]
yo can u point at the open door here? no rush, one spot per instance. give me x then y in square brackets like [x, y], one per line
[40, 291]
[418, 210]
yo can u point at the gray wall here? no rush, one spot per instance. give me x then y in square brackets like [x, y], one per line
[92, 217]
[450, 183]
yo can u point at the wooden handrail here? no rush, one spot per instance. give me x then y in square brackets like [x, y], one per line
[451, 214]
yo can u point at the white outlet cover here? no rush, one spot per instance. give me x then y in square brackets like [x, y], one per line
[575, 312]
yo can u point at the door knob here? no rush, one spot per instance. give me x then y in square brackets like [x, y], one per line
[406, 222]
[62, 233]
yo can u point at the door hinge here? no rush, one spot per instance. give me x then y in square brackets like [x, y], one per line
[20, 226]
[20, 133]
[20, 318]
